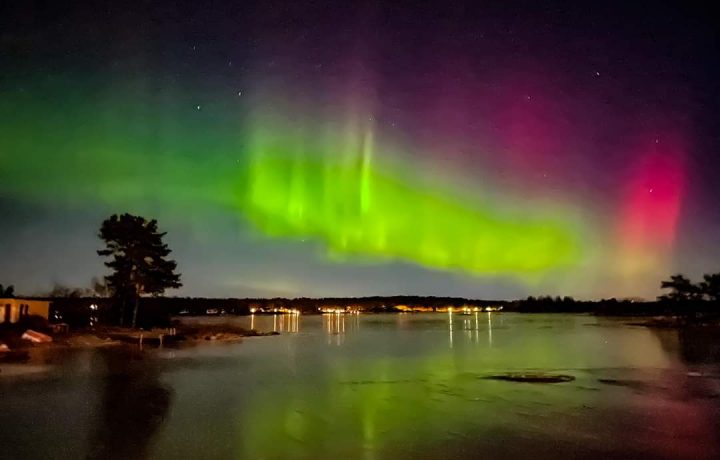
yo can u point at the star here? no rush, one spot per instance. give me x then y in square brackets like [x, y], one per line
[597, 74]
[197, 107]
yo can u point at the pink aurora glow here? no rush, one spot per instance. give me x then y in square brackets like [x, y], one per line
[653, 197]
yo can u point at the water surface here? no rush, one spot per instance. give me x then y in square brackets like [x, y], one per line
[380, 387]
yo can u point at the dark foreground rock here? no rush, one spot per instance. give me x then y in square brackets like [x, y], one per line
[534, 377]
[217, 332]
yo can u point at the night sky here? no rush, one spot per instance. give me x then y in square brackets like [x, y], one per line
[316, 148]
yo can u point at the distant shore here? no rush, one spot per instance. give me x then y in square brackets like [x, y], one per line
[74, 310]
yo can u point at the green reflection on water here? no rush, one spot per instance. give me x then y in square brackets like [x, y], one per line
[374, 405]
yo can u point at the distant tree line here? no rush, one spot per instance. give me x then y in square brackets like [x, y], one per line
[682, 289]
[98, 288]
[691, 301]
[612, 306]
[7, 292]
[156, 311]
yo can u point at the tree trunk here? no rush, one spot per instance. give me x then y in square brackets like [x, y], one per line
[135, 310]
[122, 310]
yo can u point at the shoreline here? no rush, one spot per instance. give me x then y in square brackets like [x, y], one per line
[205, 330]
[34, 359]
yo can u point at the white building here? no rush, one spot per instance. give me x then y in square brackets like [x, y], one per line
[12, 310]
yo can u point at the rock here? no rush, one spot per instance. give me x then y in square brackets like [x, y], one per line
[534, 377]
[634, 384]
[36, 337]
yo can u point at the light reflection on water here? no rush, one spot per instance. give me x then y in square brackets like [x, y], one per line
[381, 386]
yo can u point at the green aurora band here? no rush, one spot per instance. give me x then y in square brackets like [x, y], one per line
[322, 177]
[332, 190]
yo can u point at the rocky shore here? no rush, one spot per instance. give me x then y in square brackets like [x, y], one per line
[17, 352]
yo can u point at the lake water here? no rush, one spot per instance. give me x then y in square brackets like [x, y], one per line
[407, 386]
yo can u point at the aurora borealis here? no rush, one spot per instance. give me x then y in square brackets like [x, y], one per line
[358, 208]
[324, 150]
